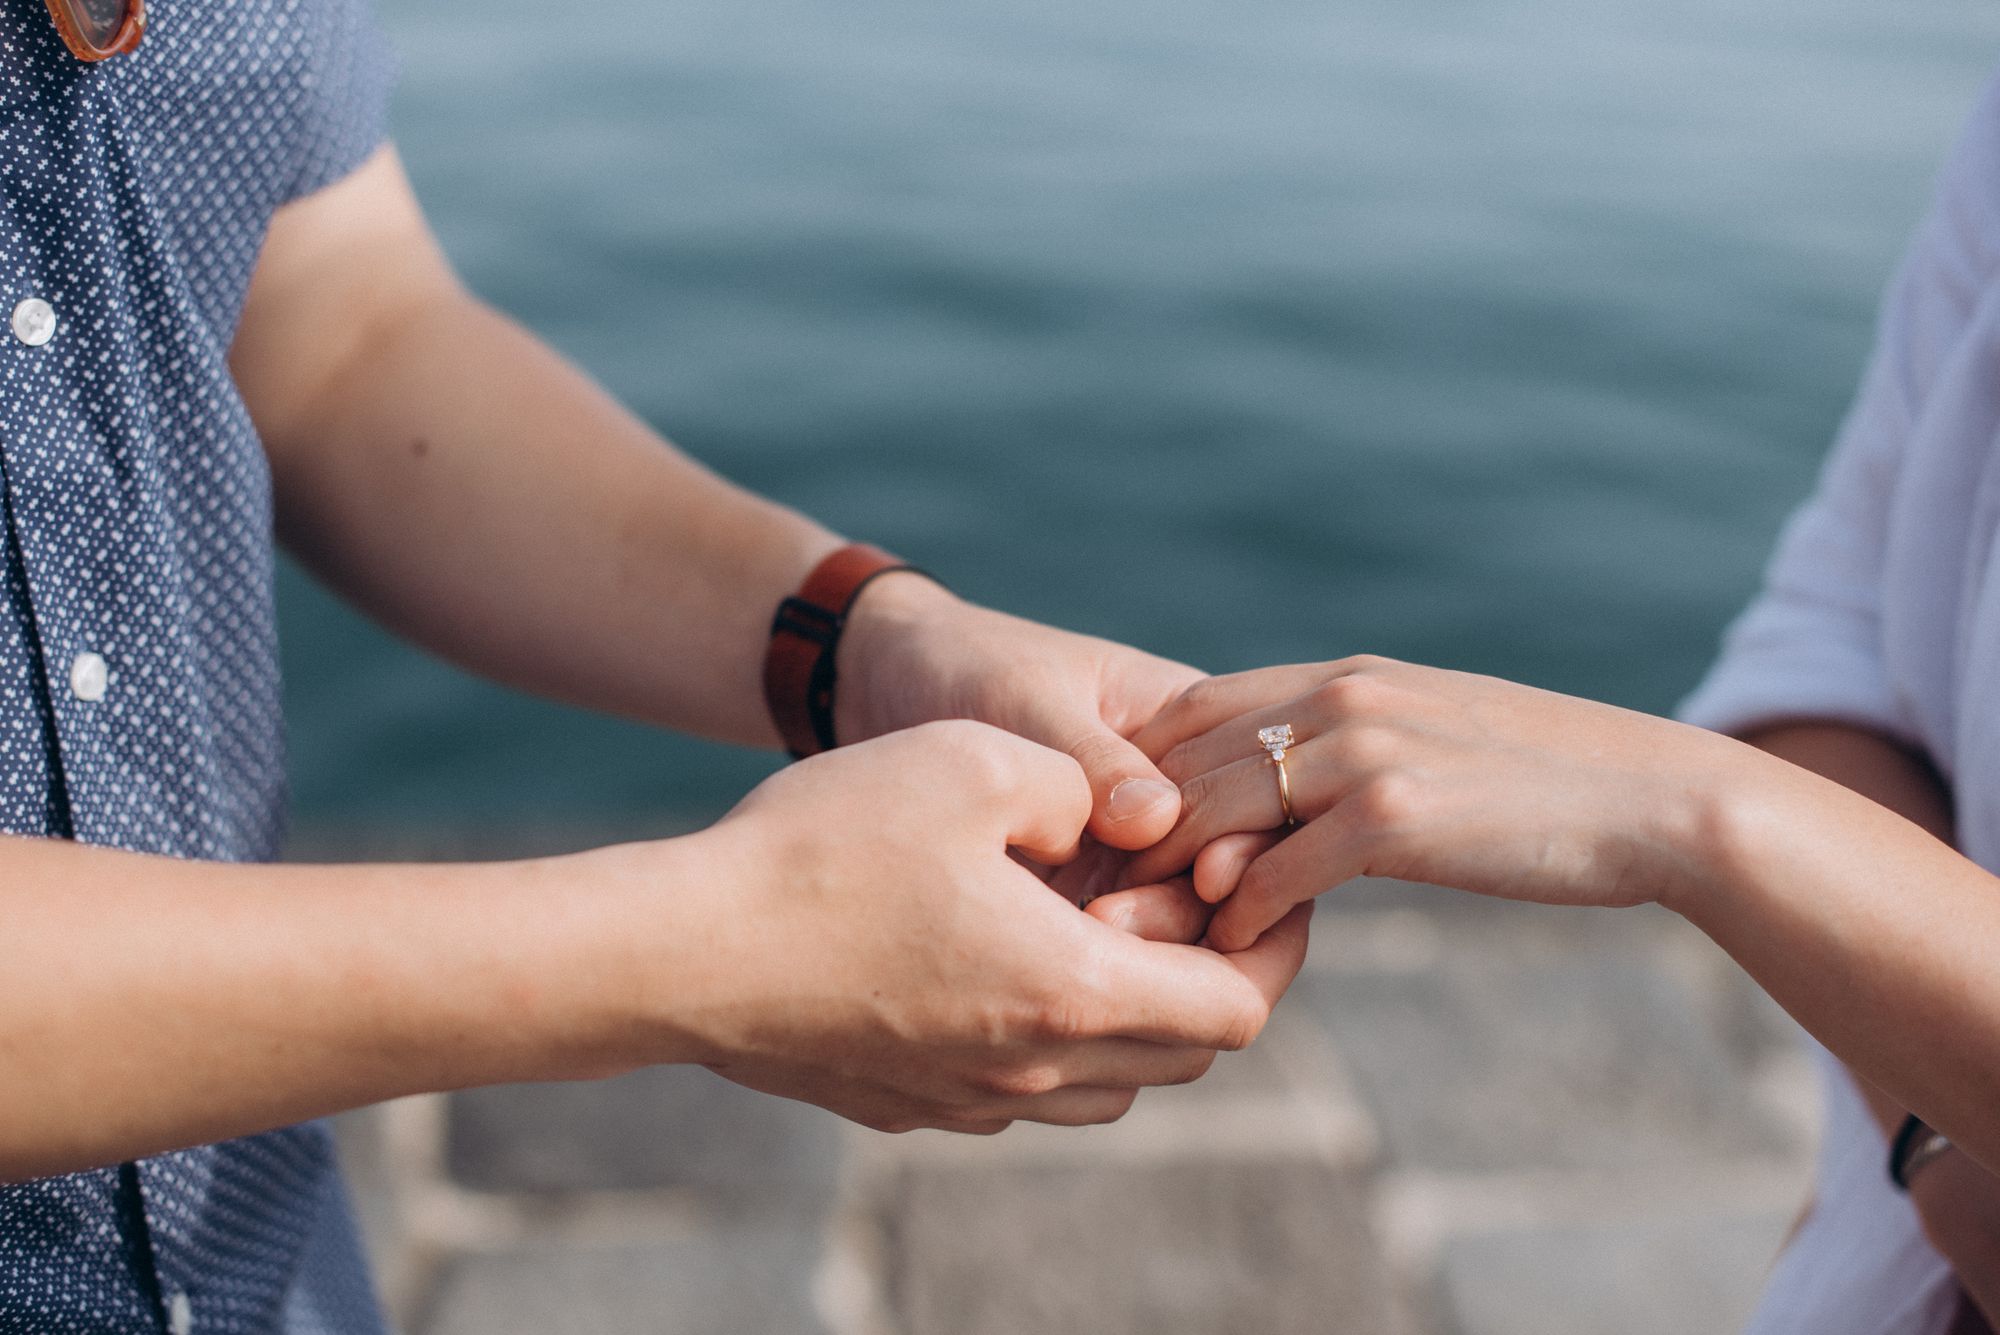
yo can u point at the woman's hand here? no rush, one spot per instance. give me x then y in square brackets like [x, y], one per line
[1424, 775]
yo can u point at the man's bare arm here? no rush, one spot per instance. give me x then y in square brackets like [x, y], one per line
[153, 1004]
[797, 947]
[467, 487]
[462, 483]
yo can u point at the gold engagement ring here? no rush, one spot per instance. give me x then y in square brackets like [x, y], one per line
[1277, 740]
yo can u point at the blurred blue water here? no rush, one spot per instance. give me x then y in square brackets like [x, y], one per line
[1497, 333]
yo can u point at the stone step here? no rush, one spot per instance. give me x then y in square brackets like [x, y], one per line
[1579, 1040]
[1239, 1204]
[732, 1277]
[1667, 1274]
[675, 1127]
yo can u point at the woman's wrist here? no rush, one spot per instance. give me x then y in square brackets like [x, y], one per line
[1735, 813]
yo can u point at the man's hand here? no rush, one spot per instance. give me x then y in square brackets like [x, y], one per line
[858, 934]
[913, 653]
[871, 946]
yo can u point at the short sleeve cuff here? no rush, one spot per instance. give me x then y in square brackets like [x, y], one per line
[1780, 663]
[352, 120]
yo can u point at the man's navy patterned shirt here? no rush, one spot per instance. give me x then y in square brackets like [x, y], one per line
[139, 703]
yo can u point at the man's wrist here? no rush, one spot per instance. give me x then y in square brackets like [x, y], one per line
[885, 655]
[640, 955]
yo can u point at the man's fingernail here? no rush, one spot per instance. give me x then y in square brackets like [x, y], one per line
[1136, 797]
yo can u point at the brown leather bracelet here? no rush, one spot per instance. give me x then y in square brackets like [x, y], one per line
[800, 664]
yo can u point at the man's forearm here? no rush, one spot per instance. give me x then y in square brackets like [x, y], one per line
[485, 499]
[468, 487]
[153, 1004]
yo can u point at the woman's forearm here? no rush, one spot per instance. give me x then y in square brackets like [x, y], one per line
[1957, 1200]
[1874, 934]
[1883, 771]
[152, 1004]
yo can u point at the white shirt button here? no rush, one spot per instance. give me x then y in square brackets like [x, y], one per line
[34, 322]
[89, 677]
[180, 1315]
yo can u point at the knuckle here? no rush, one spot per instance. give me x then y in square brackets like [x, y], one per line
[1025, 1082]
[961, 738]
[1071, 1010]
[1387, 802]
[1198, 794]
[1366, 664]
[1348, 696]
[1259, 880]
[1196, 1067]
[1116, 1106]
[997, 1025]
[1197, 700]
[1244, 1028]
[1064, 1020]
[1096, 748]
[983, 768]
[1367, 747]
[1178, 764]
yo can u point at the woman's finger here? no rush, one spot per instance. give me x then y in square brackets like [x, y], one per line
[1346, 697]
[1329, 852]
[1236, 738]
[1209, 703]
[1166, 912]
[1220, 866]
[1235, 798]
[1244, 797]
[1093, 872]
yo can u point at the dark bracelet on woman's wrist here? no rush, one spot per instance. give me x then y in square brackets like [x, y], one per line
[799, 665]
[1915, 1145]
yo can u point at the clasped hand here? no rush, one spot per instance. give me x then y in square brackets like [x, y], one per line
[896, 952]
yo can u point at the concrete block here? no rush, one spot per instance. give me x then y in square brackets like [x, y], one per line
[661, 1128]
[1200, 1248]
[738, 1279]
[1670, 1275]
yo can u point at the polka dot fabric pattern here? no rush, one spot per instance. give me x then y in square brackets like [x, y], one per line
[139, 693]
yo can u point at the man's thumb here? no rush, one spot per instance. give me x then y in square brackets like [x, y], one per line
[1132, 805]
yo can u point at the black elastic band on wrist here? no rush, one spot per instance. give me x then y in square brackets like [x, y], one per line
[1900, 1149]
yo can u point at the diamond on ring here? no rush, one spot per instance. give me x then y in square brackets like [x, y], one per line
[1275, 739]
